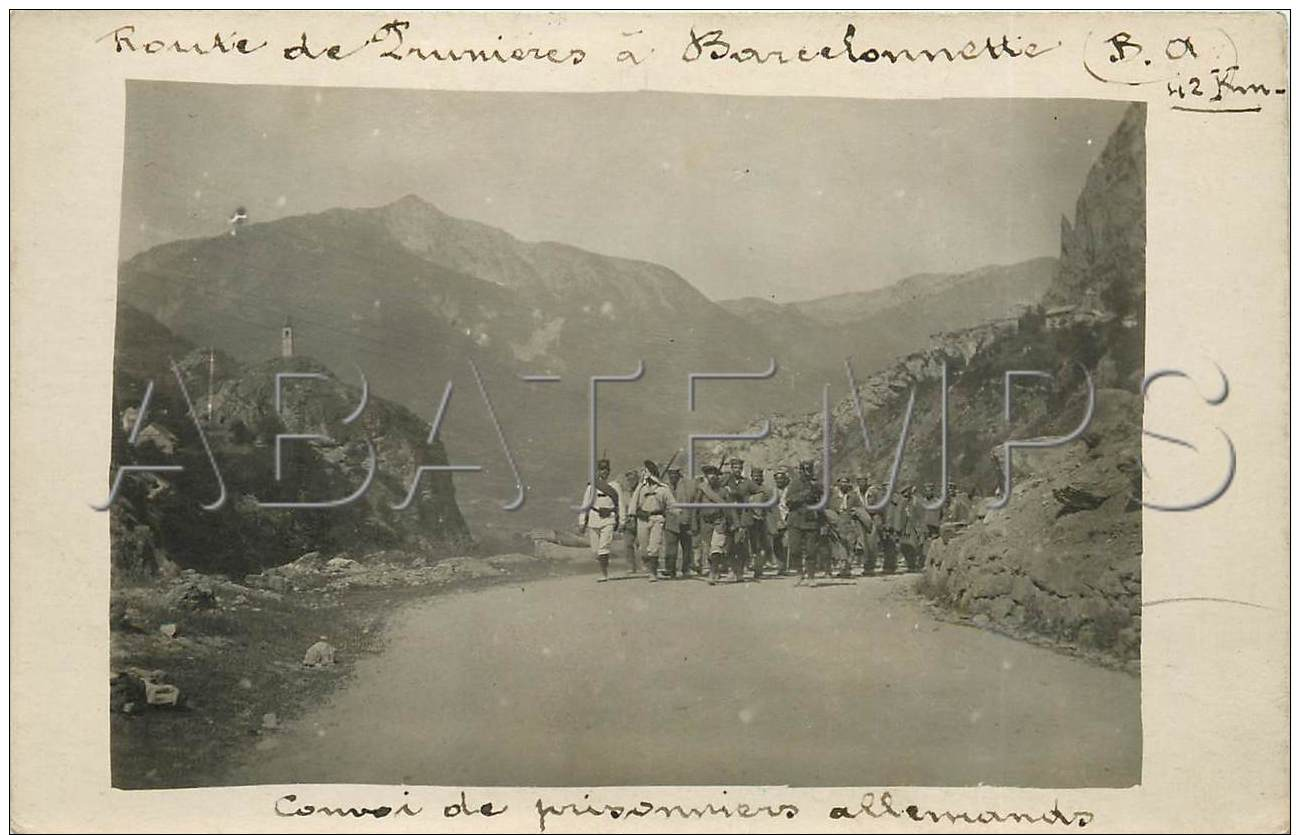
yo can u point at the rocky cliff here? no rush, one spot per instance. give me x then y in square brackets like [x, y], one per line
[159, 520]
[1103, 253]
[1062, 560]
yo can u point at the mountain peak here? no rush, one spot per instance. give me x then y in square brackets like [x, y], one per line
[414, 203]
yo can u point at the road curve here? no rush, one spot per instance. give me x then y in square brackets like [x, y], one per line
[569, 682]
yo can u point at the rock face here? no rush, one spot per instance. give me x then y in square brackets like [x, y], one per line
[1058, 569]
[1063, 559]
[1103, 253]
[159, 521]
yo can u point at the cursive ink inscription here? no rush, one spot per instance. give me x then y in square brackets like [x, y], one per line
[713, 45]
[1199, 69]
[289, 807]
[124, 39]
[883, 806]
[647, 809]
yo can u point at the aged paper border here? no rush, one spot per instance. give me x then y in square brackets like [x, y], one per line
[1215, 674]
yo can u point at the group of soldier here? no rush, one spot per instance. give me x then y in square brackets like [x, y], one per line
[727, 521]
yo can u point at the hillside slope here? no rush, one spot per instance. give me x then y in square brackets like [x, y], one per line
[1063, 558]
[876, 327]
[383, 290]
[158, 520]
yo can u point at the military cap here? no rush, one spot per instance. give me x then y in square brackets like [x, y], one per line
[651, 467]
[807, 463]
[709, 469]
[781, 469]
[603, 462]
[673, 468]
[755, 471]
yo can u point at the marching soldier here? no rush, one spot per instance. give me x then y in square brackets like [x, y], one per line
[650, 502]
[760, 538]
[895, 518]
[742, 489]
[910, 534]
[805, 522]
[873, 528]
[715, 524]
[627, 519]
[680, 523]
[601, 519]
[776, 520]
[844, 517]
[931, 520]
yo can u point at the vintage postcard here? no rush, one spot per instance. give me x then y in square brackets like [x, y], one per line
[649, 422]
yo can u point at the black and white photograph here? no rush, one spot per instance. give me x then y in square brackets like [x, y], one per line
[609, 439]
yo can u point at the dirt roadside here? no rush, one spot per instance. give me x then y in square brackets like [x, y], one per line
[235, 650]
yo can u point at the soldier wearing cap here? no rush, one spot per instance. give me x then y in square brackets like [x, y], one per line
[650, 502]
[744, 490]
[716, 525]
[895, 519]
[931, 520]
[777, 515]
[601, 519]
[805, 521]
[760, 538]
[680, 523]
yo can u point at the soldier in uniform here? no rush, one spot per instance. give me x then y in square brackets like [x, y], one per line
[873, 528]
[895, 519]
[650, 502]
[715, 524]
[602, 517]
[958, 513]
[805, 523]
[742, 489]
[776, 521]
[910, 535]
[760, 538]
[627, 520]
[680, 523]
[931, 522]
[844, 516]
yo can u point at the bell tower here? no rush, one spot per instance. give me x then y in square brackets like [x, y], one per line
[286, 339]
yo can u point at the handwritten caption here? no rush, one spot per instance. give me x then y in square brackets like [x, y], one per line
[1198, 71]
[396, 40]
[543, 811]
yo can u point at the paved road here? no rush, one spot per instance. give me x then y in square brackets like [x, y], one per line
[571, 682]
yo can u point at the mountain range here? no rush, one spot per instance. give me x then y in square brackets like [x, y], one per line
[411, 296]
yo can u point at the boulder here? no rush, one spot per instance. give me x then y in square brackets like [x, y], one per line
[342, 564]
[192, 594]
[319, 654]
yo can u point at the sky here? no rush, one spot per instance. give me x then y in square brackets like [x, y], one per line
[786, 198]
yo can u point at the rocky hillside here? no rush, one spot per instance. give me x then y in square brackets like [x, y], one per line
[158, 521]
[1063, 559]
[412, 296]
